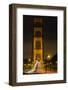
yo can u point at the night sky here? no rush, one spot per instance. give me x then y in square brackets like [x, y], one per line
[49, 35]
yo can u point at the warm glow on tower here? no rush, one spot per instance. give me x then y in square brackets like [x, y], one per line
[37, 39]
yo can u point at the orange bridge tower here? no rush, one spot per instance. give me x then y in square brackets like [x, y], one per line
[38, 39]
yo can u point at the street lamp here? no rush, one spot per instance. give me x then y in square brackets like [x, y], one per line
[48, 63]
[48, 57]
[29, 59]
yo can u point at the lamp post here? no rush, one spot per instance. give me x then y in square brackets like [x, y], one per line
[48, 65]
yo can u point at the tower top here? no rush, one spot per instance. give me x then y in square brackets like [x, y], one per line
[38, 20]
